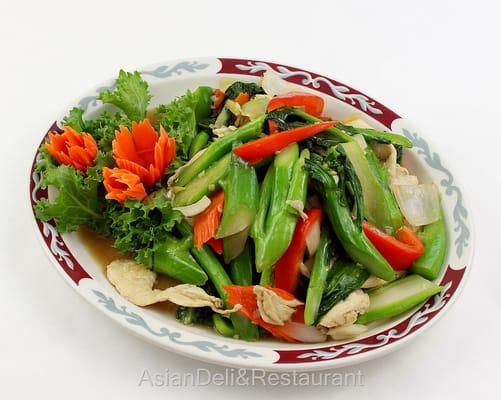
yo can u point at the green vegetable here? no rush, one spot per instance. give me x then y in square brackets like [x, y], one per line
[172, 258]
[397, 297]
[192, 315]
[241, 197]
[373, 134]
[283, 186]
[350, 234]
[140, 227]
[241, 270]
[208, 261]
[223, 326]
[131, 95]
[203, 98]
[234, 245]
[218, 149]
[380, 207]
[242, 87]
[434, 238]
[344, 278]
[332, 130]
[75, 119]
[217, 274]
[321, 267]
[179, 119]
[77, 202]
[206, 183]
[101, 128]
[198, 143]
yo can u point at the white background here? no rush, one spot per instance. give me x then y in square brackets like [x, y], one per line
[435, 62]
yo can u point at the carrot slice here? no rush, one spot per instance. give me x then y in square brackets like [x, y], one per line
[207, 222]
[242, 98]
[245, 296]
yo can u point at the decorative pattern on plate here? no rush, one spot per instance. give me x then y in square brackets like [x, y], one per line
[450, 283]
[50, 235]
[417, 319]
[460, 214]
[164, 71]
[340, 91]
[203, 345]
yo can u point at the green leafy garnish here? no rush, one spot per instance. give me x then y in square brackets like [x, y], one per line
[75, 119]
[101, 128]
[77, 202]
[140, 227]
[179, 120]
[131, 95]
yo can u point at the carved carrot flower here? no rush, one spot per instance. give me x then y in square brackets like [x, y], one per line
[144, 152]
[71, 148]
[122, 185]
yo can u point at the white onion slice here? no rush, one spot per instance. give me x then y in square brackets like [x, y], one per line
[313, 238]
[360, 140]
[274, 85]
[256, 107]
[304, 333]
[195, 208]
[419, 204]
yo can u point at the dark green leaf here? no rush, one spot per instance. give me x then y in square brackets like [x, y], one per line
[242, 87]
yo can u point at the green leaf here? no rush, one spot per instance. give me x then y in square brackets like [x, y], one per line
[77, 202]
[131, 95]
[140, 227]
[243, 87]
[103, 128]
[75, 119]
[179, 120]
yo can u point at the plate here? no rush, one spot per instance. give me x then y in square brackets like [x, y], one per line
[170, 79]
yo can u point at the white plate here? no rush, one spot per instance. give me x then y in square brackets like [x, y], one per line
[170, 79]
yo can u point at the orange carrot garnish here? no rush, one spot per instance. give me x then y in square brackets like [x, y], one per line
[242, 98]
[122, 185]
[207, 222]
[143, 152]
[71, 148]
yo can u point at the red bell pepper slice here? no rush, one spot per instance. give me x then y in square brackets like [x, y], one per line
[311, 103]
[287, 269]
[400, 251]
[218, 99]
[245, 296]
[216, 245]
[267, 146]
[272, 127]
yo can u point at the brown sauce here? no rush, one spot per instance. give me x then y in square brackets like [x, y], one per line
[102, 251]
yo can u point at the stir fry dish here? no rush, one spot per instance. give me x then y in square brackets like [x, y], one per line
[271, 217]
